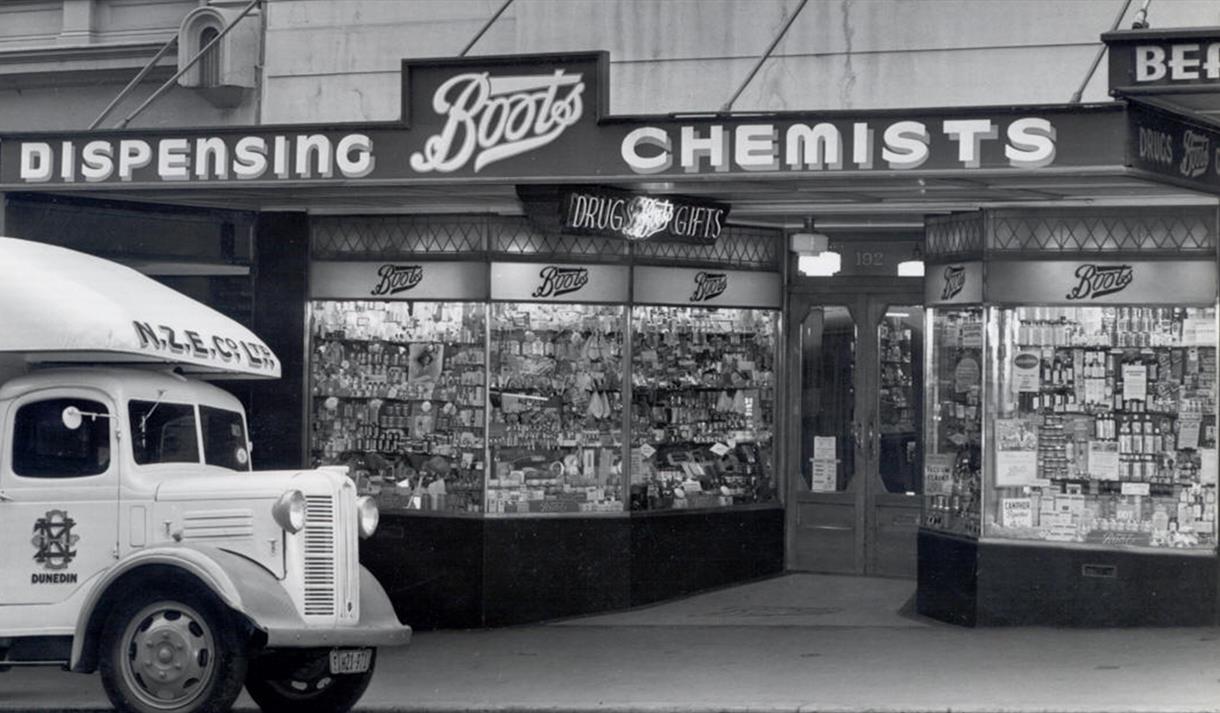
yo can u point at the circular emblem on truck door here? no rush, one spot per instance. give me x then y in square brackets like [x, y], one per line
[54, 539]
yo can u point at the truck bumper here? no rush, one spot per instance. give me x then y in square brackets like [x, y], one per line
[378, 625]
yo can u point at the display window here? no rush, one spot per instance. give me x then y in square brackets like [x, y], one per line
[703, 406]
[556, 418]
[398, 395]
[954, 420]
[1103, 425]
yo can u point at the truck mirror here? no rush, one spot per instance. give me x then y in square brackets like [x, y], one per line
[71, 418]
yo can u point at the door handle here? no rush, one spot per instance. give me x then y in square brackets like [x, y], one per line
[4, 498]
[873, 436]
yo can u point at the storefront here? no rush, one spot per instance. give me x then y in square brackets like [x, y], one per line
[575, 360]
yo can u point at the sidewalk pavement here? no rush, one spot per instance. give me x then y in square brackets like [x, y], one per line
[798, 642]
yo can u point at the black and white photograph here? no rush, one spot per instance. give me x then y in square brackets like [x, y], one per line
[609, 356]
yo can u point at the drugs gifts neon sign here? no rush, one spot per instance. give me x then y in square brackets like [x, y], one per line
[637, 216]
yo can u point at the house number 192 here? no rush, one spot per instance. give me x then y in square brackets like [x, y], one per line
[870, 258]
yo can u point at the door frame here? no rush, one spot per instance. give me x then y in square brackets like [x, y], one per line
[866, 297]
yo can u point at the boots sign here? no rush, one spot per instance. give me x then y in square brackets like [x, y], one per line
[543, 118]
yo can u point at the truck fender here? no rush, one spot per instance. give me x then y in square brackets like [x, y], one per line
[239, 583]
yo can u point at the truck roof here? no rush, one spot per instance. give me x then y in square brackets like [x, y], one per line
[124, 384]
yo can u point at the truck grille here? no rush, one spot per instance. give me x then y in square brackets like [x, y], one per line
[320, 559]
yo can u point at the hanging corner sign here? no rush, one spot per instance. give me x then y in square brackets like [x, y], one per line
[638, 216]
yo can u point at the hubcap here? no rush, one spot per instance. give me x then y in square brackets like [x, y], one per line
[170, 655]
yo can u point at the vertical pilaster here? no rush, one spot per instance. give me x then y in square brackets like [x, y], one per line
[77, 27]
[281, 276]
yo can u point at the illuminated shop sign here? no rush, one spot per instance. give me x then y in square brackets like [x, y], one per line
[542, 118]
[1157, 60]
[691, 287]
[1166, 145]
[1161, 282]
[641, 217]
[550, 282]
[491, 118]
[199, 158]
[380, 280]
[1023, 142]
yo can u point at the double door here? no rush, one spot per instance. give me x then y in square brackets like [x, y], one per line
[855, 448]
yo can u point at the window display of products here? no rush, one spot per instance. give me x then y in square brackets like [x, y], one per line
[398, 395]
[703, 406]
[1104, 426]
[953, 446]
[556, 414]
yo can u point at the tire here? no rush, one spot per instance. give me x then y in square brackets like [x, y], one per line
[301, 682]
[195, 662]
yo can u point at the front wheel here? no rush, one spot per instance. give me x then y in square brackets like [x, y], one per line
[301, 682]
[171, 652]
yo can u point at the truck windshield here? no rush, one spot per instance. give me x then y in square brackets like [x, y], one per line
[167, 433]
[163, 432]
[224, 438]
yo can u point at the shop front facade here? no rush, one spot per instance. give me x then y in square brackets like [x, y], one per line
[592, 373]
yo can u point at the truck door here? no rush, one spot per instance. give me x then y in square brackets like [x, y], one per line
[59, 486]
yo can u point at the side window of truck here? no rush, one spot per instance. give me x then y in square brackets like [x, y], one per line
[43, 447]
[163, 432]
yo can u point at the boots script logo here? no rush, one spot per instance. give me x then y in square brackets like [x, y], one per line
[1100, 280]
[558, 281]
[397, 278]
[54, 540]
[709, 285]
[955, 280]
[494, 118]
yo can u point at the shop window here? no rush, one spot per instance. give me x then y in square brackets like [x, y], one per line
[556, 408]
[398, 396]
[953, 429]
[703, 407]
[45, 447]
[1103, 425]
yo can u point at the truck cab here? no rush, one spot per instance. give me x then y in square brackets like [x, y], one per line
[137, 540]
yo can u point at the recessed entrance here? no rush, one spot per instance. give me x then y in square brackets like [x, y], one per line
[857, 353]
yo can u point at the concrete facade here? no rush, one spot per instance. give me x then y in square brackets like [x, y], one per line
[62, 61]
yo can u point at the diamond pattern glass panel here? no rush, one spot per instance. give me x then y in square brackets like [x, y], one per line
[391, 236]
[737, 246]
[952, 236]
[1150, 230]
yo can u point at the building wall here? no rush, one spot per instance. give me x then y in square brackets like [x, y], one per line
[340, 61]
[63, 61]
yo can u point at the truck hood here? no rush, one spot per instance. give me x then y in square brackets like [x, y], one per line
[220, 484]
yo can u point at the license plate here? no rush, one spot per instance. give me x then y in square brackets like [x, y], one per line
[350, 660]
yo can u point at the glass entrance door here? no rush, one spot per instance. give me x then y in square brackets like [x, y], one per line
[856, 454]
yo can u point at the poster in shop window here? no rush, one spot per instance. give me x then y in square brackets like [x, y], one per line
[1016, 453]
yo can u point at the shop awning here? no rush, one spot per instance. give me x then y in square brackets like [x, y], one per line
[60, 305]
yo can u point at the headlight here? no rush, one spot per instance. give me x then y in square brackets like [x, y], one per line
[367, 515]
[289, 511]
